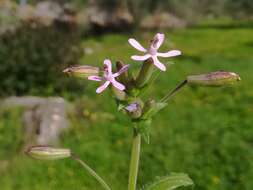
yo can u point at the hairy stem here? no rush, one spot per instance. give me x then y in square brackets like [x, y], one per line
[92, 172]
[134, 163]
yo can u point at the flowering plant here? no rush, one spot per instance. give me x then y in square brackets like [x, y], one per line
[128, 90]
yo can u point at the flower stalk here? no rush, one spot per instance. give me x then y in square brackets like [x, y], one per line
[134, 162]
[173, 92]
[92, 172]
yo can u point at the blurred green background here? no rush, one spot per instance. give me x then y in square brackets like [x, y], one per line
[205, 132]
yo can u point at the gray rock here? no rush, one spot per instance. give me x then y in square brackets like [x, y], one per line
[44, 118]
[47, 12]
[119, 19]
[162, 20]
[22, 2]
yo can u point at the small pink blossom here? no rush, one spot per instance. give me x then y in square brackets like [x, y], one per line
[109, 77]
[152, 51]
[132, 107]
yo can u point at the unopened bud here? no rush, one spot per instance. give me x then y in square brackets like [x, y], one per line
[134, 110]
[48, 153]
[83, 71]
[218, 78]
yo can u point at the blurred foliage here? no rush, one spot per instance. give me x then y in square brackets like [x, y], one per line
[205, 132]
[33, 57]
[239, 9]
[10, 138]
[186, 8]
[193, 8]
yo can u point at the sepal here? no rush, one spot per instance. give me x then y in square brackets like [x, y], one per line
[145, 73]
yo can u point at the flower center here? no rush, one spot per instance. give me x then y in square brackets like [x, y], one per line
[152, 50]
[108, 77]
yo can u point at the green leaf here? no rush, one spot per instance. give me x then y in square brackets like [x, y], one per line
[160, 105]
[170, 182]
[134, 92]
[146, 135]
[120, 104]
[143, 89]
[143, 127]
[153, 109]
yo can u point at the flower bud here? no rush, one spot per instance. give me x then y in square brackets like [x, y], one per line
[48, 153]
[134, 110]
[218, 78]
[83, 71]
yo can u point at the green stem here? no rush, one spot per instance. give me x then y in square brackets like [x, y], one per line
[173, 92]
[134, 163]
[92, 172]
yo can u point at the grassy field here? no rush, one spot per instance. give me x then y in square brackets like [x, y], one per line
[205, 132]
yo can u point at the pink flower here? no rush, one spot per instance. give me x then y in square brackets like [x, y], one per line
[109, 77]
[152, 51]
[132, 107]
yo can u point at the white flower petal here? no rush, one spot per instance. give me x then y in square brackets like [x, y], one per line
[141, 57]
[158, 64]
[171, 53]
[118, 85]
[158, 40]
[136, 45]
[108, 64]
[95, 78]
[103, 87]
[122, 70]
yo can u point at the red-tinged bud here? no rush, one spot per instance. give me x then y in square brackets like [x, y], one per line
[134, 110]
[218, 78]
[83, 71]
